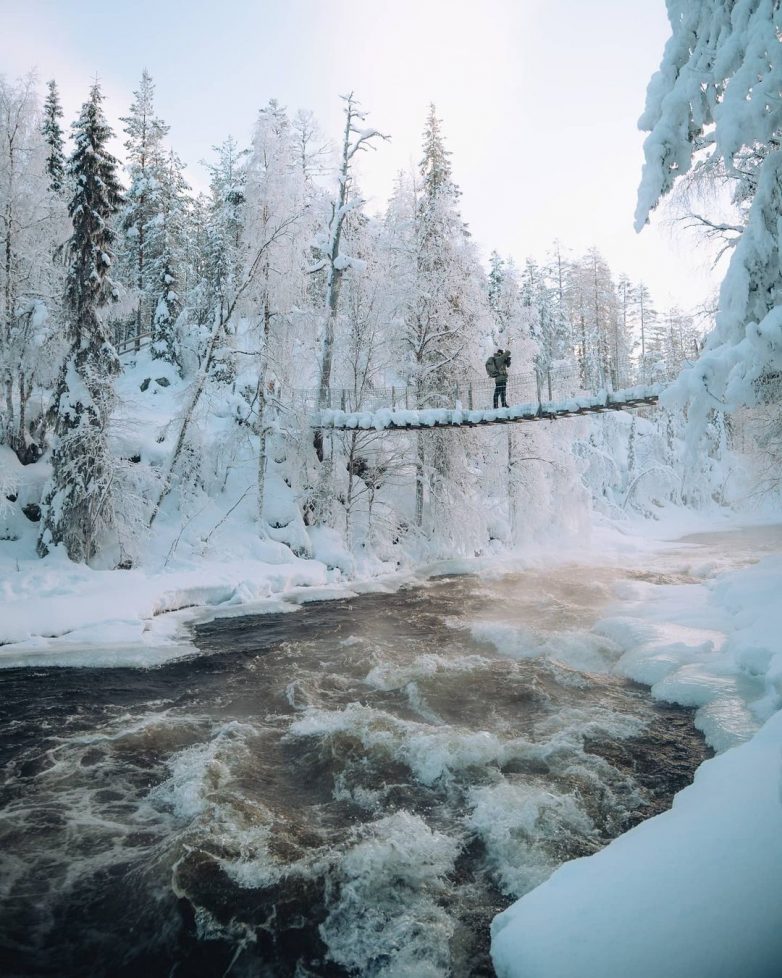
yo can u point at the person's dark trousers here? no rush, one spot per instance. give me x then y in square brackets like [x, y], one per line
[500, 386]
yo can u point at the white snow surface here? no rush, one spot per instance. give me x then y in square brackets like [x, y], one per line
[58, 613]
[192, 563]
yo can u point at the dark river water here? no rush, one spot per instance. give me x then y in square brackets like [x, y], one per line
[355, 788]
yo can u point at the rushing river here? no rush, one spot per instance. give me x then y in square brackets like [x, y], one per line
[356, 788]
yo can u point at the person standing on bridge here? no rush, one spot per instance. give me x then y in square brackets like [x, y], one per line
[497, 367]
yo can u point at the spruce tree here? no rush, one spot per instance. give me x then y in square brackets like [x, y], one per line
[496, 276]
[145, 161]
[226, 218]
[77, 504]
[437, 326]
[166, 269]
[441, 319]
[52, 133]
[647, 329]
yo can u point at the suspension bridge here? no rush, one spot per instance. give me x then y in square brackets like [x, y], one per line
[467, 405]
[531, 396]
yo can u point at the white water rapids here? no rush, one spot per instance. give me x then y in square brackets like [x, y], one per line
[356, 788]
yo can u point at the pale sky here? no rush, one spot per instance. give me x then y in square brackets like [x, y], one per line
[539, 99]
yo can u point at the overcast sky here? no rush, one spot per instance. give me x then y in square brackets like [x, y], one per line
[539, 99]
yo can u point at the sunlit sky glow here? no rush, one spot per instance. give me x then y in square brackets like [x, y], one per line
[539, 99]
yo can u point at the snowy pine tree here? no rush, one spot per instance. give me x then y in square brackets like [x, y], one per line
[142, 210]
[275, 228]
[52, 133]
[446, 308]
[556, 273]
[77, 505]
[646, 316]
[166, 246]
[224, 229]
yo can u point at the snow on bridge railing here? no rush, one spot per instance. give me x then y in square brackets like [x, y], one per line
[401, 419]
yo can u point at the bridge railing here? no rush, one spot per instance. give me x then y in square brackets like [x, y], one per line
[133, 342]
[471, 392]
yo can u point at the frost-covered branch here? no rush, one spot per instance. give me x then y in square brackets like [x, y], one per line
[719, 79]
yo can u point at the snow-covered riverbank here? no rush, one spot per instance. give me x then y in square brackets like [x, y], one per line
[694, 892]
[58, 612]
[55, 612]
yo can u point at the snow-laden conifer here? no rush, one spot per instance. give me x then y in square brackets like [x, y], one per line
[277, 193]
[167, 273]
[53, 135]
[142, 211]
[445, 308]
[227, 177]
[77, 504]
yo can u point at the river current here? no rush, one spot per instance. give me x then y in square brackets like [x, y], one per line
[355, 788]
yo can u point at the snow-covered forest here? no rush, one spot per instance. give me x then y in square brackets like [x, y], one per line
[163, 351]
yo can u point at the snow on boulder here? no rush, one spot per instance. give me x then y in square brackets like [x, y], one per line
[283, 518]
[693, 893]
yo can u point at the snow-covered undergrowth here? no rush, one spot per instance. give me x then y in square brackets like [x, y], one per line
[204, 551]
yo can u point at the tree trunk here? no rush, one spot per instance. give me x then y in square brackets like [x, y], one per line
[419, 480]
[9, 301]
[349, 497]
[262, 433]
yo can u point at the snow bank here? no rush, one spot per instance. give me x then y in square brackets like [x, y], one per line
[693, 893]
[711, 645]
[205, 553]
[59, 613]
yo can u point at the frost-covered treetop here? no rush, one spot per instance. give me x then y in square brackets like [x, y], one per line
[436, 165]
[718, 94]
[53, 134]
[97, 197]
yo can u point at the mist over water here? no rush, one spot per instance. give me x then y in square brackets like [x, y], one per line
[354, 789]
